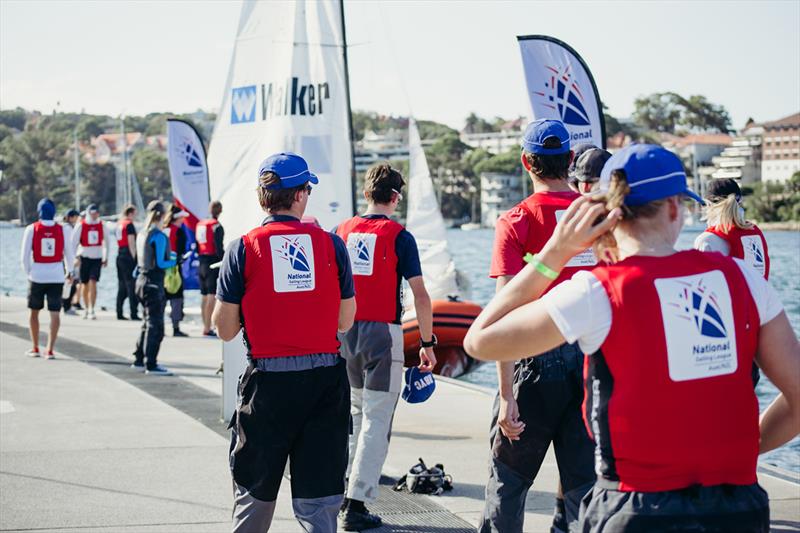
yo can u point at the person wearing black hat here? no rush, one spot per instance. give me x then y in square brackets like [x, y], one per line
[587, 168]
[729, 232]
[288, 287]
[153, 257]
[46, 260]
[69, 220]
[669, 338]
[91, 239]
[175, 230]
[578, 151]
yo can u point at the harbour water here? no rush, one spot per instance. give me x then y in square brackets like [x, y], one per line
[472, 254]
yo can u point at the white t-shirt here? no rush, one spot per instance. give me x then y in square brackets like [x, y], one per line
[581, 310]
[708, 242]
[91, 252]
[45, 272]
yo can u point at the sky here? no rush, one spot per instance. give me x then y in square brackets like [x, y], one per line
[439, 60]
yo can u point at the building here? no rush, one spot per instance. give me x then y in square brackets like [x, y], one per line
[697, 151]
[375, 147]
[781, 149]
[499, 193]
[741, 160]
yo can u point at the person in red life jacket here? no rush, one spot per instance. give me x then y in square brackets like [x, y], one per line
[210, 236]
[729, 232]
[70, 299]
[382, 254]
[126, 262]
[288, 286]
[91, 240]
[178, 244]
[538, 401]
[46, 260]
[669, 339]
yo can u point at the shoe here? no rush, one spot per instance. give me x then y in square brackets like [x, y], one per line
[120, 317]
[138, 367]
[210, 333]
[178, 333]
[158, 371]
[92, 315]
[50, 355]
[70, 312]
[34, 352]
[352, 520]
[78, 306]
[85, 314]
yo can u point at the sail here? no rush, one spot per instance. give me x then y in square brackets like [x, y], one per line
[425, 222]
[286, 91]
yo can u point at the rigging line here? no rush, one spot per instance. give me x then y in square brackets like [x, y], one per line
[393, 51]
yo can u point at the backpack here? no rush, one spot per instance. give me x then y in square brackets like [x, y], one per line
[423, 480]
[172, 280]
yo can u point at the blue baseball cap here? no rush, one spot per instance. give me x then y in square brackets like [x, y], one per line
[291, 168]
[539, 131]
[652, 172]
[419, 385]
[46, 209]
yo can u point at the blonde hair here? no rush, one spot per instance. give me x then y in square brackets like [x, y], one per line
[618, 189]
[726, 213]
[153, 217]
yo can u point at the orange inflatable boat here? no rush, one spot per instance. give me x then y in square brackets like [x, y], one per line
[451, 320]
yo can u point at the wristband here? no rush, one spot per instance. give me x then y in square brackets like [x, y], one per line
[540, 267]
[429, 344]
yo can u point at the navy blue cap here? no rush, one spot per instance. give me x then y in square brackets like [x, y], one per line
[92, 208]
[419, 385]
[290, 168]
[652, 172]
[72, 213]
[590, 164]
[46, 209]
[539, 131]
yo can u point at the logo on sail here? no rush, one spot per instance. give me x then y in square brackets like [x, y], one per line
[562, 94]
[243, 104]
[699, 305]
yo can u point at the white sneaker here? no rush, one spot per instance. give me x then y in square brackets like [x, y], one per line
[50, 355]
[92, 315]
[33, 353]
[85, 313]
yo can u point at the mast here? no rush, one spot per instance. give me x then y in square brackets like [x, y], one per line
[349, 112]
[77, 173]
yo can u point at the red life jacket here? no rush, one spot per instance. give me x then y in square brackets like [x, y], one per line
[544, 209]
[122, 233]
[204, 234]
[92, 233]
[747, 244]
[48, 243]
[172, 232]
[669, 395]
[371, 245]
[291, 299]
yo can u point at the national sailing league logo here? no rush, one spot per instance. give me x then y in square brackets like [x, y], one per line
[758, 254]
[562, 94]
[189, 154]
[362, 248]
[699, 305]
[292, 251]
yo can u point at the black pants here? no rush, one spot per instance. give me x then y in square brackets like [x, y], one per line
[718, 509]
[153, 302]
[303, 416]
[127, 283]
[549, 392]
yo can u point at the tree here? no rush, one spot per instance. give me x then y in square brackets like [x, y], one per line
[152, 169]
[505, 163]
[14, 118]
[669, 112]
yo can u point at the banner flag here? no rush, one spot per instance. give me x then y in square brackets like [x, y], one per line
[560, 86]
[286, 92]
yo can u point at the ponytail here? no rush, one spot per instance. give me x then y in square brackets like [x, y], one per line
[726, 213]
[618, 188]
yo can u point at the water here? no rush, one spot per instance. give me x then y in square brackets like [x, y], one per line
[472, 254]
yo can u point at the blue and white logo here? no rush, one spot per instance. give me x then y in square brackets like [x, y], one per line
[562, 94]
[292, 263]
[189, 154]
[758, 254]
[362, 248]
[699, 330]
[243, 104]
[701, 307]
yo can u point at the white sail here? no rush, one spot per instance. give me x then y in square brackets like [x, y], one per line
[425, 222]
[286, 91]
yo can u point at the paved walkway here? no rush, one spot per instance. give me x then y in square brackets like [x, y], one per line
[87, 444]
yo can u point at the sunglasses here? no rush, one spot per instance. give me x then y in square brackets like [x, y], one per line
[399, 195]
[309, 188]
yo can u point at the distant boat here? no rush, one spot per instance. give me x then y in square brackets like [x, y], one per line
[452, 315]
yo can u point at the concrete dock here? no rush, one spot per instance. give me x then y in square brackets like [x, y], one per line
[88, 444]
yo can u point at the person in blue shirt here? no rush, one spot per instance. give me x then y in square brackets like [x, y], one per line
[154, 257]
